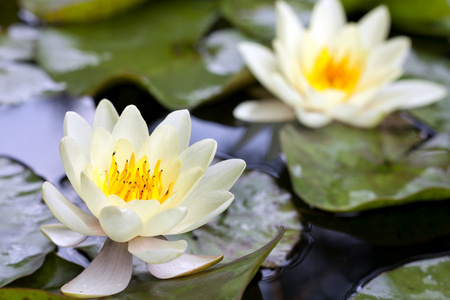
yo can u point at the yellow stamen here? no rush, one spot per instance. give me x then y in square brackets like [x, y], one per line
[329, 72]
[135, 181]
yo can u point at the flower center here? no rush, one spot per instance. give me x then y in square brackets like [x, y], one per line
[329, 72]
[135, 181]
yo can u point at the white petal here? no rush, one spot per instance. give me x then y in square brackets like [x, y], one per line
[161, 145]
[199, 154]
[181, 121]
[73, 160]
[121, 225]
[115, 200]
[108, 274]
[312, 119]
[131, 126]
[374, 26]
[203, 209]
[266, 110]
[290, 66]
[261, 62]
[392, 53]
[69, 214]
[102, 148]
[220, 176]
[123, 150]
[155, 250]
[419, 92]
[289, 27]
[327, 18]
[185, 185]
[79, 130]
[92, 195]
[400, 95]
[145, 209]
[105, 116]
[287, 93]
[186, 264]
[164, 221]
[62, 236]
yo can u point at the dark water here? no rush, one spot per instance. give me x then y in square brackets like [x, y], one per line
[337, 252]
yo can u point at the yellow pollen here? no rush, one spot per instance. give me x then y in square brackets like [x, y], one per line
[135, 181]
[329, 72]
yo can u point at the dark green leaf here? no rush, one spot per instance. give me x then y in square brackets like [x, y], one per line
[157, 47]
[23, 246]
[339, 168]
[54, 273]
[67, 11]
[28, 294]
[425, 279]
[259, 208]
[225, 282]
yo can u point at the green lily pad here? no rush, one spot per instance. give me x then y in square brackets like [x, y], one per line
[22, 294]
[156, 47]
[258, 210]
[425, 279]
[69, 11]
[340, 168]
[54, 273]
[227, 281]
[23, 247]
[20, 82]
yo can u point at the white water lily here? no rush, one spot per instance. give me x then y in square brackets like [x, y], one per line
[138, 187]
[333, 70]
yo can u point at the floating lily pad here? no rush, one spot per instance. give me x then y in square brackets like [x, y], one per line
[425, 279]
[259, 208]
[143, 47]
[340, 168]
[54, 273]
[22, 294]
[57, 11]
[21, 82]
[23, 247]
[227, 281]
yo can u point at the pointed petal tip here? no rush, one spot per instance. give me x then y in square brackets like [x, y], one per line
[186, 264]
[264, 111]
[62, 236]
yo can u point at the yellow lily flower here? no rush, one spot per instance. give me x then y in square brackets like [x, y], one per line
[138, 188]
